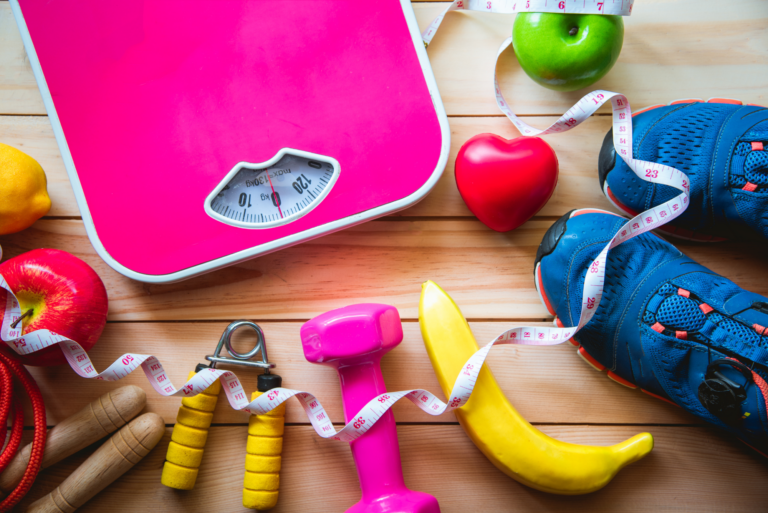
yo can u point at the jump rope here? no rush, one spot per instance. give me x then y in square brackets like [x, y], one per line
[10, 369]
[11, 329]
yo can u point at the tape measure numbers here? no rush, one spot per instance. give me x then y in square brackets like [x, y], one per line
[591, 295]
[614, 7]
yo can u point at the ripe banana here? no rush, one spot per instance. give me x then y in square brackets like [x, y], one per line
[512, 444]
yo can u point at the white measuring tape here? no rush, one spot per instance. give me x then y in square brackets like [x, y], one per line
[615, 7]
[462, 389]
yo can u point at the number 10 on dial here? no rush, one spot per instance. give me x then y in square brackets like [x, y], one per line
[273, 193]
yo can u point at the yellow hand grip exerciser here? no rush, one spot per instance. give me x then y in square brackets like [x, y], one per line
[185, 451]
[263, 452]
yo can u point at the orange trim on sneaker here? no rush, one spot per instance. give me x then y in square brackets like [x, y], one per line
[697, 236]
[687, 100]
[659, 397]
[682, 335]
[559, 323]
[658, 328]
[591, 361]
[762, 385]
[745, 443]
[757, 146]
[759, 381]
[573, 342]
[669, 229]
[619, 203]
[725, 100]
[705, 308]
[682, 232]
[759, 329]
[683, 292]
[749, 187]
[646, 109]
[591, 211]
[621, 381]
[541, 291]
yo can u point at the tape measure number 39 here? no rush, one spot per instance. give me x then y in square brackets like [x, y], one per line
[462, 389]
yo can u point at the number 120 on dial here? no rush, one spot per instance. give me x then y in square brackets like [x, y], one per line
[275, 192]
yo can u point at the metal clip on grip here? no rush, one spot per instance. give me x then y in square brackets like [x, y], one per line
[237, 358]
[185, 452]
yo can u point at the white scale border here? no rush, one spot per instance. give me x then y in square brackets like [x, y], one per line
[262, 249]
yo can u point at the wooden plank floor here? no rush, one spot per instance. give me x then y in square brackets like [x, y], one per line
[673, 49]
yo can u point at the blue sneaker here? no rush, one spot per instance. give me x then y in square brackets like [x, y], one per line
[719, 145]
[666, 324]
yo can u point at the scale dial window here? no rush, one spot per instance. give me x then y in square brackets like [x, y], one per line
[275, 192]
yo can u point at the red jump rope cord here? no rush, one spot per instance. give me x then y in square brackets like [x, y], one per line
[10, 366]
[6, 393]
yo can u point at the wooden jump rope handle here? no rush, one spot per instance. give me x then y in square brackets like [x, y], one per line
[185, 452]
[110, 461]
[103, 416]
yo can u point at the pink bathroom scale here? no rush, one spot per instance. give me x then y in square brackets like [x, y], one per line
[199, 134]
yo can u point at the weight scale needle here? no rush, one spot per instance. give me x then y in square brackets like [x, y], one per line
[276, 199]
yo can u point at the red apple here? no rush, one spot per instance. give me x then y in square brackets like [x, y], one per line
[504, 183]
[62, 294]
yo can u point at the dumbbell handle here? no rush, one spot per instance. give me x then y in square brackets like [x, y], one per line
[377, 453]
[352, 340]
[103, 416]
[110, 461]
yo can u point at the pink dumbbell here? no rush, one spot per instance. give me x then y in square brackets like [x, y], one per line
[352, 340]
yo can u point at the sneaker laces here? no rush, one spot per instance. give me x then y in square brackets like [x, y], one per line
[749, 167]
[677, 312]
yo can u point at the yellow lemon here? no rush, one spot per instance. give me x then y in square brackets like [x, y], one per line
[23, 192]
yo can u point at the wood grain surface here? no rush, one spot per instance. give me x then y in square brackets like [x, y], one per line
[489, 274]
[672, 49]
[690, 469]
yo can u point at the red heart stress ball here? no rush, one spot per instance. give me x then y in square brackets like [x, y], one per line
[505, 182]
[58, 292]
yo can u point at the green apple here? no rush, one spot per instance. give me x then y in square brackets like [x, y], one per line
[566, 52]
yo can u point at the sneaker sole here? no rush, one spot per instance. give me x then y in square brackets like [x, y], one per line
[545, 248]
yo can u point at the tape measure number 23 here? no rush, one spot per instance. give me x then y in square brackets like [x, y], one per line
[462, 389]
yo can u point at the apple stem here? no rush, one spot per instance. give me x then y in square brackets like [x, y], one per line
[25, 314]
[573, 31]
